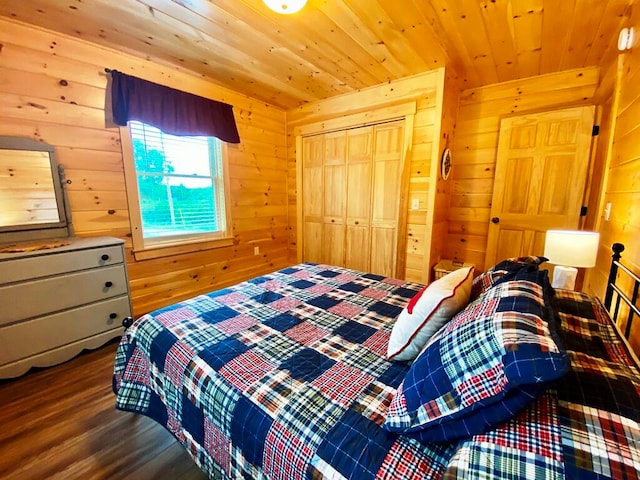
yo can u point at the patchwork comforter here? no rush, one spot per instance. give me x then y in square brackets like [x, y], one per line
[284, 376]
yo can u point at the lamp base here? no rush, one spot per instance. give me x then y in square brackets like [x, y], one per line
[564, 277]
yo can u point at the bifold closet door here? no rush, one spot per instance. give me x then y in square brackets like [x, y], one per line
[351, 181]
[359, 179]
[335, 191]
[313, 197]
[387, 175]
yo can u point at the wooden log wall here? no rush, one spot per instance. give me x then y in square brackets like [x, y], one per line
[52, 89]
[476, 144]
[426, 91]
[622, 177]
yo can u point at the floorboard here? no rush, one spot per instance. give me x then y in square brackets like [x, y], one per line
[61, 423]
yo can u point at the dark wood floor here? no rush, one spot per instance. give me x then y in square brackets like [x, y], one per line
[60, 423]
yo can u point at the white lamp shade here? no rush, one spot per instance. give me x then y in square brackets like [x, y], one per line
[572, 248]
[285, 6]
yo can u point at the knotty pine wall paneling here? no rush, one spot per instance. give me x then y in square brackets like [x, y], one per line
[421, 89]
[622, 178]
[476, 144]
[445, 120]
[52, 89]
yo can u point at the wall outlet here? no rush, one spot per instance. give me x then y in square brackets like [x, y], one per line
[415, 204]
[256, 250]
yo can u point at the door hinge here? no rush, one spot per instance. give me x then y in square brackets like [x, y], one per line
[595, 131]
[583, 211]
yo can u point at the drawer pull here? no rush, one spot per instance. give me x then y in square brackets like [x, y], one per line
[108, 284]
[127, 322]
[104, 257]
[113, 315]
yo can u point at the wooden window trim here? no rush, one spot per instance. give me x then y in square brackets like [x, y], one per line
[176, 246]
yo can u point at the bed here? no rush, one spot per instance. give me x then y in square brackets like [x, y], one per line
[289, 375]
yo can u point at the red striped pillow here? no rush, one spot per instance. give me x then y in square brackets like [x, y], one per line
[427, 312]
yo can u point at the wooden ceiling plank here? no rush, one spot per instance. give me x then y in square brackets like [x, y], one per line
[261, 35]
[410, 21]
[372, 30]
[605, 44]
[320, 36]
[246, 62]
[456, 40]
[329, 48]
[556, 29]
[465, 19]
[498, 25]
[583, 34]
[527, 26]
[431, 20]
[128, 38]
[77, 61]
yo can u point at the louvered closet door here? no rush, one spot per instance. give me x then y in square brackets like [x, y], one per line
[359, 178]
[313, 197]
[335, 191]
[387, 163]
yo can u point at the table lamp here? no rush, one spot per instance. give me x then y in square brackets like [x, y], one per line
[568, 249]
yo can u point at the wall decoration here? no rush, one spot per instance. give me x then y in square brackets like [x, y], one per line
[446, 164]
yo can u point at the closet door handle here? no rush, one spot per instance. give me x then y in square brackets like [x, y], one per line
[108, 284]
[495, 219]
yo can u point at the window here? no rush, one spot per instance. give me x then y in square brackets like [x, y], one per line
[179, 188]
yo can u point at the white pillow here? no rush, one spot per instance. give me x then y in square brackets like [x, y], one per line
[427, 312]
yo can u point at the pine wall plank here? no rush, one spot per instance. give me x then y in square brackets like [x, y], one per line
[622, 178]
[476, 144]
[52, 89]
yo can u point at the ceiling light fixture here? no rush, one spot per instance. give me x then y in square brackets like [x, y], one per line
[625, 40]
[285, 6]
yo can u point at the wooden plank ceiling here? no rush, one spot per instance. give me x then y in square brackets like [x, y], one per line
[332, 46]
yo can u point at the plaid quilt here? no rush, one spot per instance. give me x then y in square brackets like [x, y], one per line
[284, 377]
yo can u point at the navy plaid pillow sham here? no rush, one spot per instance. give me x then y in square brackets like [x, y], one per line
[504, 271]
[491, 361]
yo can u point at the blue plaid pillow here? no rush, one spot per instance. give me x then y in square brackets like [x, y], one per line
[504, 271]
[487, 364]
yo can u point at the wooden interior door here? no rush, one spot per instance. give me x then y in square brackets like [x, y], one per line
[334, 198]
[358, 206]
[387, 180]
[313, 197]
[540, 178]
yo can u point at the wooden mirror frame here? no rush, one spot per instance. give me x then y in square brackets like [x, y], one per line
[45, 230]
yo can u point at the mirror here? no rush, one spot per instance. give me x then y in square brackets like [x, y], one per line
[32, 199]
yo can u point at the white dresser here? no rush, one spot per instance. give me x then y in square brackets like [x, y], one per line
[56, 302]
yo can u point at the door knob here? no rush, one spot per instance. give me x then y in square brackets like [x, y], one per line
[495, 219]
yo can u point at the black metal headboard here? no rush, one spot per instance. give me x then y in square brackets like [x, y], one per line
[614, 290]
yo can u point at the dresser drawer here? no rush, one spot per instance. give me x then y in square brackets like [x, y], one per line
[24, 339]
[56, 263]
[38, 297]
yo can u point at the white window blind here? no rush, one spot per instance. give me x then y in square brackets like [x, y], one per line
[180, 183]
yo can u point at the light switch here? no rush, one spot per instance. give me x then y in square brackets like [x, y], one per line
[415, 204]
[607, 211]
